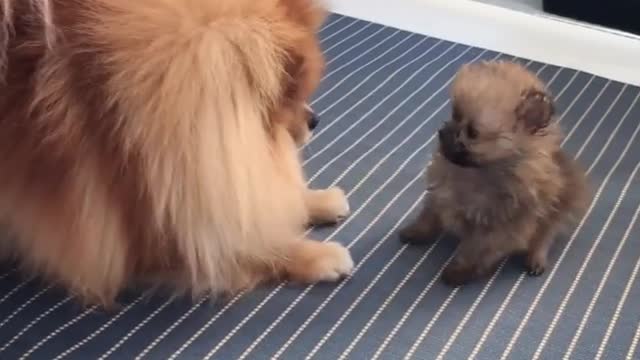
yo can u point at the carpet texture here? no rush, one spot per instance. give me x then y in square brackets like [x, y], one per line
[381, 101]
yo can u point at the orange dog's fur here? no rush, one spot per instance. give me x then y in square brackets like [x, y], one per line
[158, 139]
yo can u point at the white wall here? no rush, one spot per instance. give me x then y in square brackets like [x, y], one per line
[529, 6]
[525, 35]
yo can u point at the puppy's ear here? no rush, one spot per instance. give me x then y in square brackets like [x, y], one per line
[535, 110]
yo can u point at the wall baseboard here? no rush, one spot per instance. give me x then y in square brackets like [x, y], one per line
[539, 38]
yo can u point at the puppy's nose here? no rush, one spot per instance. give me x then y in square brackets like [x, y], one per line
[313, 121]
[447, 138]
[445, 135]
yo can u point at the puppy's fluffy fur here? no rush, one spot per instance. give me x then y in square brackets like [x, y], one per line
[500, 181]
[158, 139]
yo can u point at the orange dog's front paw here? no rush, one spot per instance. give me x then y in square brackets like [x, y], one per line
[313, 261]
[327, 206]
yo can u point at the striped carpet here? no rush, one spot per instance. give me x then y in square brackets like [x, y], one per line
[381, 101]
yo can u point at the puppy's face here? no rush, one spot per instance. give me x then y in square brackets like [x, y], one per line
[500, 112]
[303, 70]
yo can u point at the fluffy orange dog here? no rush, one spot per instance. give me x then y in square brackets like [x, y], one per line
[158, 139]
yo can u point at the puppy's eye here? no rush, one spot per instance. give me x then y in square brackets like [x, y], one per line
[455, 114]
[472, 133]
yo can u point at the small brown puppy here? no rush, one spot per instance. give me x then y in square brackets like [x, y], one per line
[499, 181]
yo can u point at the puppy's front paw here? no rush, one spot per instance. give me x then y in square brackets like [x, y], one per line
[535, 266]
[315, 261]
[457, 275]
[416, 234]
[423, 230]
[327, 206]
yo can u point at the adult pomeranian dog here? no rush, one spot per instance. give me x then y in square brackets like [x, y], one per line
[158, 139]
[499, 181]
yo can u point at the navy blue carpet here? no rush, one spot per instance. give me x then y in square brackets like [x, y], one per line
[384, 95]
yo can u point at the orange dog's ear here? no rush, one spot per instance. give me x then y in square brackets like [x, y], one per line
[293, 69]
[307, 13]
[317, 15]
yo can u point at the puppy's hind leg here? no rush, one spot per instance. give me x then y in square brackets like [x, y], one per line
[327, 206]
[475, 258]
[423, 229]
